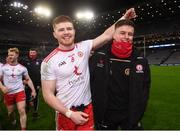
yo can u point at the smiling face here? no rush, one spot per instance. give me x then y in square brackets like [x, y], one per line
[124, 33]
[13, 54]
[64, 32]
[12, 57]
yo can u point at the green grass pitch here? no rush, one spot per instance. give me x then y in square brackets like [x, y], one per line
[163, 110]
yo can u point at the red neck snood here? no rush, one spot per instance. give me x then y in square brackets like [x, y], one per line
[121, 49]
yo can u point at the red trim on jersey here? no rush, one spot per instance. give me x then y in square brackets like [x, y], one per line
[51, 55]
[16, 64]
[59, 49]
[12, 64]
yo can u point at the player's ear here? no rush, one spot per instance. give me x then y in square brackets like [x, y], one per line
[54, 34]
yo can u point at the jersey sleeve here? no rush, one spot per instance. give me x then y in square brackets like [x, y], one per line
[47, 71]
[87, 45]
[25, 72]
[1, 71]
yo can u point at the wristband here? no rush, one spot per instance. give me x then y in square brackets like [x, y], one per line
[68, 113]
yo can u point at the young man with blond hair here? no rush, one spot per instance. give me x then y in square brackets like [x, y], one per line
[12, 75]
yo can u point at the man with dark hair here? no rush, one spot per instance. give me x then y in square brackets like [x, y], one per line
[120, 82]
[33, 66]
[66, 72]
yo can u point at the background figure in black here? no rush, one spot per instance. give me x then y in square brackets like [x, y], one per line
[120, 82]
[33, 65]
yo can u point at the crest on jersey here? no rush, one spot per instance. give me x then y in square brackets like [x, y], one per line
[80, 54]
[37, 63]
[127, 71]
[100, 63]
[139, 68]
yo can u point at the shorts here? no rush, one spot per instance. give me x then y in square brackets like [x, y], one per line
[11, 99]
[64, 123]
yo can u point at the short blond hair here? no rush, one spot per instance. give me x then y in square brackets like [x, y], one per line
[16, 50]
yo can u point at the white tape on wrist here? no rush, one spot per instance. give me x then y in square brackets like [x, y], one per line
[68, 113]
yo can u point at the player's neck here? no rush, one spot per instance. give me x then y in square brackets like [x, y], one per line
[13, 63]
[66, 47]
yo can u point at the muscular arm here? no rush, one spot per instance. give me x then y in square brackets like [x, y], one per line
[48, 90]
[31, 85]
[108, 33]
[2, 87]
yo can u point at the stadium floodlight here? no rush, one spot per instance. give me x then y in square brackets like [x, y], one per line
[19, 5]
[25, 7]
[85, 15]
[79, 15]
[42, 11]
[47, 12]
[88, 15]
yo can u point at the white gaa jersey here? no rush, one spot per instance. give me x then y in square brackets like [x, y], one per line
[1, 64]
[12, 77]
[70, 69]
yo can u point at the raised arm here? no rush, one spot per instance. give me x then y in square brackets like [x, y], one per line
[108, 33]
